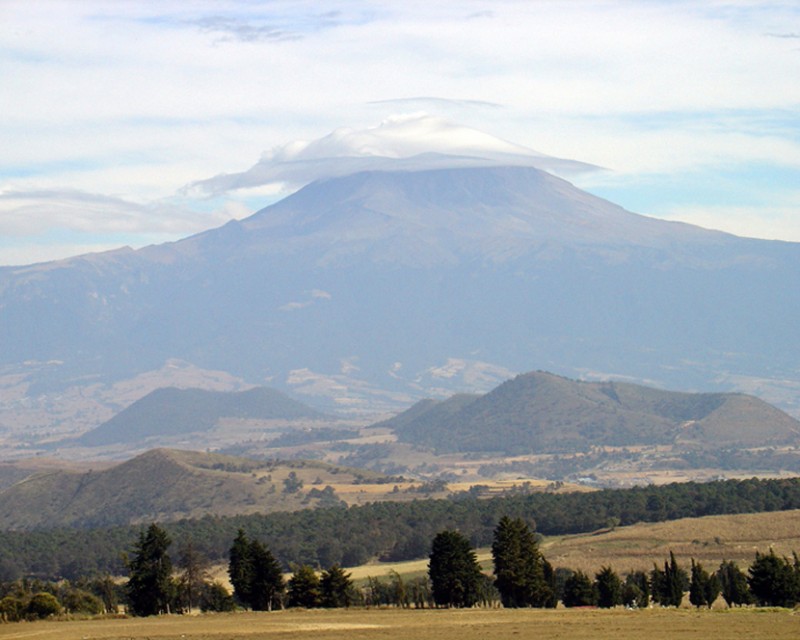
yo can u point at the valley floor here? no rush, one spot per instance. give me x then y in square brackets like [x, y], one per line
[472, 624]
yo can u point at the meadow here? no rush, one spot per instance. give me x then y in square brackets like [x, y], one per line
[471, 624]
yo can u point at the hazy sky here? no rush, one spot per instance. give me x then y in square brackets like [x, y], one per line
[108, 110]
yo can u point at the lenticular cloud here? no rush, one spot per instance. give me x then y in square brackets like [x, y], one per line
[413, 143]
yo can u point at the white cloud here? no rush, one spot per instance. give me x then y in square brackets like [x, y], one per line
[407, 142]
[134, 100]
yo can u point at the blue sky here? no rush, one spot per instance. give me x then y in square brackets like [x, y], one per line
[108, 110]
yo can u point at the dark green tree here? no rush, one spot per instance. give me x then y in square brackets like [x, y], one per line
[669, 585]
[454, 571]
[150, 588]
[579, 591]
[304, 588]
[733, 583]
[336, 588]
[609, 588]
[774, 581]
[240, 568]
[519, 566]
[267, 585]
[703, 587]
[636, 590]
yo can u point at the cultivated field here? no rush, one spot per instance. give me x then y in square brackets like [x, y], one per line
[474, 624]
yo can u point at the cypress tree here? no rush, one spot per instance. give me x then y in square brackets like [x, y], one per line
[240, 569]
[733, 584]
[704, 587]
[519, 566]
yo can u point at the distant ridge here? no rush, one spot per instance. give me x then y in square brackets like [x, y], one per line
[170, 411]
[167, 484]
[543, 413]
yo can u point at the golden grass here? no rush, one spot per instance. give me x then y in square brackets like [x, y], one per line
[473, 624]
[708, 540]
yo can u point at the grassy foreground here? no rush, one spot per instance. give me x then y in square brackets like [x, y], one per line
[474, 624]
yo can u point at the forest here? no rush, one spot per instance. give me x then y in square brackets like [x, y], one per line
[390, 531]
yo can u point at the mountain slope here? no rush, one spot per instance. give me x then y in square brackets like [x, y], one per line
[353, 288]
[543, 413]
[164, 484]
[171, 411]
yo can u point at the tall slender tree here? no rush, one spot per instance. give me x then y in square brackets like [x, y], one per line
[519, 566]
[733, 583]
[150, 588]
[669, 585]
[704, 587]
[240, 568]
[267, 585]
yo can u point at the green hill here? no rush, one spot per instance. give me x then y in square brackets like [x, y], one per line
[543, 413]
[170, 411]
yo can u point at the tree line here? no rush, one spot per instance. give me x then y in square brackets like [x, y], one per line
[524, 578]
[390, 530]
[521, 577]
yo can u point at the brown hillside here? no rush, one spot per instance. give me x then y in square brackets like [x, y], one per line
[165, 484]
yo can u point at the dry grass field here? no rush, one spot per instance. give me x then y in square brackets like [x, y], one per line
[708, 540]
[473, 624]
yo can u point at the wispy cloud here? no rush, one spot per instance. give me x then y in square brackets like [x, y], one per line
[228, 29]
[25, 213]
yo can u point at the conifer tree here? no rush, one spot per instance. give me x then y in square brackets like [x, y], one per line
[150, 588]
[733, 584]
[704, 587]
[240, 568]
[774, 581]
[454, 571]
[609, 588]
[304, 588]
[636, 590]
[336, 587]
[519, 566]
[266, 586]
[668, 586]
[255, 574]
[579, 591]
